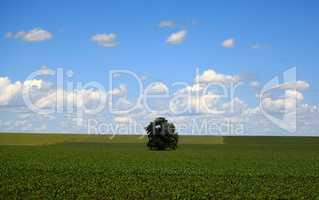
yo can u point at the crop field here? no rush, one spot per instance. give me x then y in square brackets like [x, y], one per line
[55, 166]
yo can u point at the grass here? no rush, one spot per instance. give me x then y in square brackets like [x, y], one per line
[47, 139]
[96, 167]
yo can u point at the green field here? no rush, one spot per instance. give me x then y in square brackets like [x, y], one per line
[47, 139]
[96, 167]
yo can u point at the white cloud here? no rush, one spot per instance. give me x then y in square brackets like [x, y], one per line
[284, 104]
[210, 103]
[34, 35]
[298, 85]
[199, 103]
[255, 85]
[177, 37]
[194, 104]
[33, 83]
[205, 103]
[44, 70]
[234, 105]
[294, 94]
[310, 108]
[167, 24]
[105, 40]
[8, 90]
[210, 76]
[278, 105]
[73, 99]
[201, 97]
[23, 125]
[43, 95]
[229, 43]
[197, 87]
[119, 91]
[123, 119]
[84, 97]
[157, 88]
[47, 101]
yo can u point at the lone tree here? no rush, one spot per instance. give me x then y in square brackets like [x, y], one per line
[161, 135]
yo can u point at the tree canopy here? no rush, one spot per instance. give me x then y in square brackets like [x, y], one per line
[161, 135]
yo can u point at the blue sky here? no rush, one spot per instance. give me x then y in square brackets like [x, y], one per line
[284, 32]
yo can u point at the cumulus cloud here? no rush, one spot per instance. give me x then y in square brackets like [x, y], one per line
[210, 76]
[177, 37]
[84, 98]
[44, 95]
[123, 119]
[185, 102]
[205, 103]
[157, 88]
[119, 91]
[190, 102]
[284, 104]
[105, 40]
[71, 98]
[278, 105]
[194, 104]
[45, 70]
[234, 105]
[9, 91]
[298, 85]
[294, 94]
[203, 98]
[33, 83]
[47, 101]
[167, 24]
[254, 85]
[229, 43]
[197, 87]
[34, 35]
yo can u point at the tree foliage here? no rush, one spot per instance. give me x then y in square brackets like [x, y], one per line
[161, 135]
